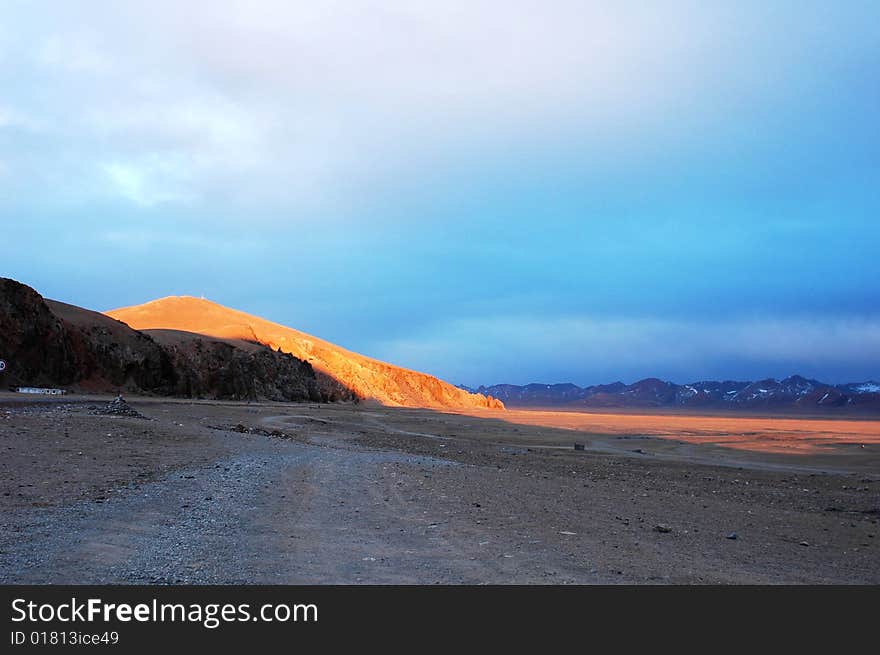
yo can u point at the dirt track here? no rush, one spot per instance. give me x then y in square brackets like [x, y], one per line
[368, 494]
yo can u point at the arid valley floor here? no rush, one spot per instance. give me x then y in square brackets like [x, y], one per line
[215, 492]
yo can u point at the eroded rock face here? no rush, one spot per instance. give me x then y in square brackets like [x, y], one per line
[195, 348]
[368, 378]
[217, 369]
[112, 356]
[35, 343]
[52, 344]
[44, 346]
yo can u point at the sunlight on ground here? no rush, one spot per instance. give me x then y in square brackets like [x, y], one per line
[767, 435]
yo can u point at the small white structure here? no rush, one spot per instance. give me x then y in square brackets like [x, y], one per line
[48, 392]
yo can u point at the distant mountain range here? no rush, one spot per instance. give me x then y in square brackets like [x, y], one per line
[795, 392]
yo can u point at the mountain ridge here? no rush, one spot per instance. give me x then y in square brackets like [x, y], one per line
[232, 355]
[367, 377]
[47, 343]
[794, 391]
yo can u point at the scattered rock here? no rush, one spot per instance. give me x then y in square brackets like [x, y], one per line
[805, 543]
[732, 536]
[243, 429]
[663, 529]
[118, 407]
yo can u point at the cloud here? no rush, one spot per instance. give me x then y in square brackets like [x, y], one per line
[141, 239]
[11, 119]
[591, 350]
[297, 101]
[641, 177]
[147, 184]
[74, 54]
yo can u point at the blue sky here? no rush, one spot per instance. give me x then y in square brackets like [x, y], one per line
[488, 191]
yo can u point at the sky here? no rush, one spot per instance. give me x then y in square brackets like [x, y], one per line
[492, 192]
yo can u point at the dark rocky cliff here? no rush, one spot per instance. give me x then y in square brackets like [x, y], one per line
[51, 344]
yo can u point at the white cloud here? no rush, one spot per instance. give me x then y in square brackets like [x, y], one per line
[287, 109]
[305, 98]
[13, 119]
[149, 183]
[73, 53]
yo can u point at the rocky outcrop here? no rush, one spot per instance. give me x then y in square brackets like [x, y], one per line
[35, 343]
[368, 378]
[53, 344]
[209, 368]
[194, 348]
[112, 356]
[43, 347]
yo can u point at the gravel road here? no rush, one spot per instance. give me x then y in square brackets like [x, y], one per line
[279, 513]
[233, 493]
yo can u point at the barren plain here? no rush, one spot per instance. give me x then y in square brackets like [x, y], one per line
[224, 492]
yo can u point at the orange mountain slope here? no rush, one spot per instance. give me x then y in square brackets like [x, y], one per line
[367, 377]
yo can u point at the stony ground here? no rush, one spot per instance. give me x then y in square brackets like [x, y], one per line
[271, 493]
